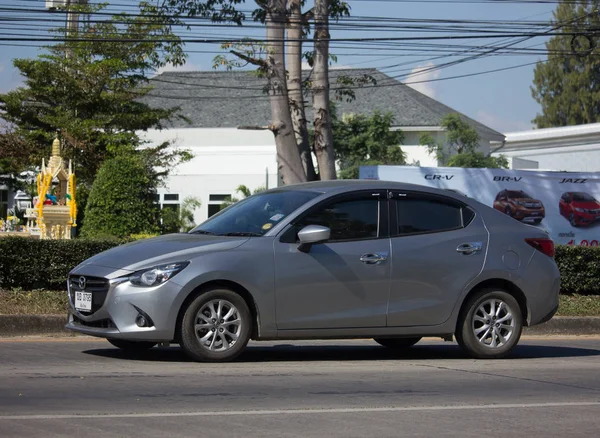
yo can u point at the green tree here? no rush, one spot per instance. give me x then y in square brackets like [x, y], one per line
[180, 219]
[460, 147]
[567, 86]
[86, 87]
[122, 199]
[365, 140]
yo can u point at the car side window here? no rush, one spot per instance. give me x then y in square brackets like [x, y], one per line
[417, 215]
[354, 219]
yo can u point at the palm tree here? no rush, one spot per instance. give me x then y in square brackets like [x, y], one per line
[242, 190]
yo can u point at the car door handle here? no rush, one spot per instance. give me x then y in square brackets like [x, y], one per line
[373, 259]
[469, 248]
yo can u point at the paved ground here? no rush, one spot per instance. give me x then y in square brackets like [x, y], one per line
[83, 387]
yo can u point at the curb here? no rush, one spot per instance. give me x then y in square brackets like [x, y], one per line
[24, 325]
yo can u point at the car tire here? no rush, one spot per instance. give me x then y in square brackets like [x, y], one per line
[132, 346]
[537, 222]
[216, 326]
[397, 343]
[508, 211]
[477, 313]
[573, 221]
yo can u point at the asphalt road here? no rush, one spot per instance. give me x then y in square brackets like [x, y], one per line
[83, 387]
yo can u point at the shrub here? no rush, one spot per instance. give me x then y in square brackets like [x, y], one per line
[121, 201]
[579, 268]
[44, 264]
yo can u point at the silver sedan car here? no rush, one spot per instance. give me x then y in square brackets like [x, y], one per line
[327, 260]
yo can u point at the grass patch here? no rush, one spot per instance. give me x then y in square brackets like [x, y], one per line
[579, 305]
[37, 302]
[40, 302]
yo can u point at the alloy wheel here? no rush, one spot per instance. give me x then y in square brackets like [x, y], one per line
[218, 325]
[493, 323]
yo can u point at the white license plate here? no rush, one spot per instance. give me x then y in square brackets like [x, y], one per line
[83, 300]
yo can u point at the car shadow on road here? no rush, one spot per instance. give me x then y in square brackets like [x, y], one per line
[317, 353]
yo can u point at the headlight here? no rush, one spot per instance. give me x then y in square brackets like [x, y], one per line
[157, 275]
[580, 210]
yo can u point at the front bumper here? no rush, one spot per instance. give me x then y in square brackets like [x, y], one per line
[586, 218]
[116, 316]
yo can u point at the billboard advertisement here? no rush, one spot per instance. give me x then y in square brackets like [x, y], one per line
[565, 204]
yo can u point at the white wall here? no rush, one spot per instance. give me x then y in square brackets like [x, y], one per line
[223, 160]
[570, 158]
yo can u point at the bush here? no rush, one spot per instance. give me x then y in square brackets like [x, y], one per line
[579, 268]
[121, 201]
[44, 264]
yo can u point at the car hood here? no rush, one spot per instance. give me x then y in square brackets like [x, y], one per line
[163, 249]
[588, 205]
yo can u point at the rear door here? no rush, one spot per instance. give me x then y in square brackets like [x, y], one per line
[438, 247]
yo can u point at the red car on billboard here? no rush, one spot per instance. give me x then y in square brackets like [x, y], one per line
[519, 205]
[579, 208]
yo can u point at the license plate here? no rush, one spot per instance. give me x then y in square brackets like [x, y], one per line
[83, 300]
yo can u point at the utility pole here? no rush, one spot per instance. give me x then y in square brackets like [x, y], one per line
[72, 19]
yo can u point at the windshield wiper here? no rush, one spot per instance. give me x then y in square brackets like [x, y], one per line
[203, 232]
[242, 234]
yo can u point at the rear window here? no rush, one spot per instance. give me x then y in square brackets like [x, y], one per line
[416, 216]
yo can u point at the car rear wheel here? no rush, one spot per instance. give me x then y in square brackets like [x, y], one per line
[216, 326]
[508, 211]
[490, 324]
[132, 346]
[397, 343]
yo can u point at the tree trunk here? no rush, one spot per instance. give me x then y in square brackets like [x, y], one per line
[288, 156]
[322, 122]
[294, 81]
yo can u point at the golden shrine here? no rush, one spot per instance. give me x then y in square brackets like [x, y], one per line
[55, 208]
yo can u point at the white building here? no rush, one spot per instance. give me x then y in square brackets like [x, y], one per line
[213, 105]
[570, 148]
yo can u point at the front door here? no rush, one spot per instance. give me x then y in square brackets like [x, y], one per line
[438, 247]
[343, 283]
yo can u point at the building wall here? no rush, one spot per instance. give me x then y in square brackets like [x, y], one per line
[569, 158]
[223, 160]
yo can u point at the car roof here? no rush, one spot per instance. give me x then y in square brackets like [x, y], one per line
[348, 185]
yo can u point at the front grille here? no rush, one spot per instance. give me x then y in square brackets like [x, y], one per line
[96, 285]
[103, 323]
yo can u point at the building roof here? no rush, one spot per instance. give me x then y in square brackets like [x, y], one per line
[218, 99]
[554, 133]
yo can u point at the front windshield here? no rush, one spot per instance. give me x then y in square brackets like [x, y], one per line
[518, 194]
[256, 215]
[583, 197]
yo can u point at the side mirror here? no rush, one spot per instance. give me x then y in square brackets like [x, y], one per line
[311, 235]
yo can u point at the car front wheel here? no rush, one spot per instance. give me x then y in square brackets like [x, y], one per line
[216, 326]
[490, 325]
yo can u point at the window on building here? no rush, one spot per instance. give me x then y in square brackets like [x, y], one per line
[171, 197]
[213, 209]
[218, 198]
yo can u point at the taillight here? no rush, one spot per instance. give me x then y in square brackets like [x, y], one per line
[544, 245]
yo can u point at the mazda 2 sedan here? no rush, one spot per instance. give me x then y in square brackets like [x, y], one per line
[326, 260]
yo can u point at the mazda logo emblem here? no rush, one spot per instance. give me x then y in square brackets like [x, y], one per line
[82, 282]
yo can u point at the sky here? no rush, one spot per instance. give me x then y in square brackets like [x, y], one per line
[500, 100]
